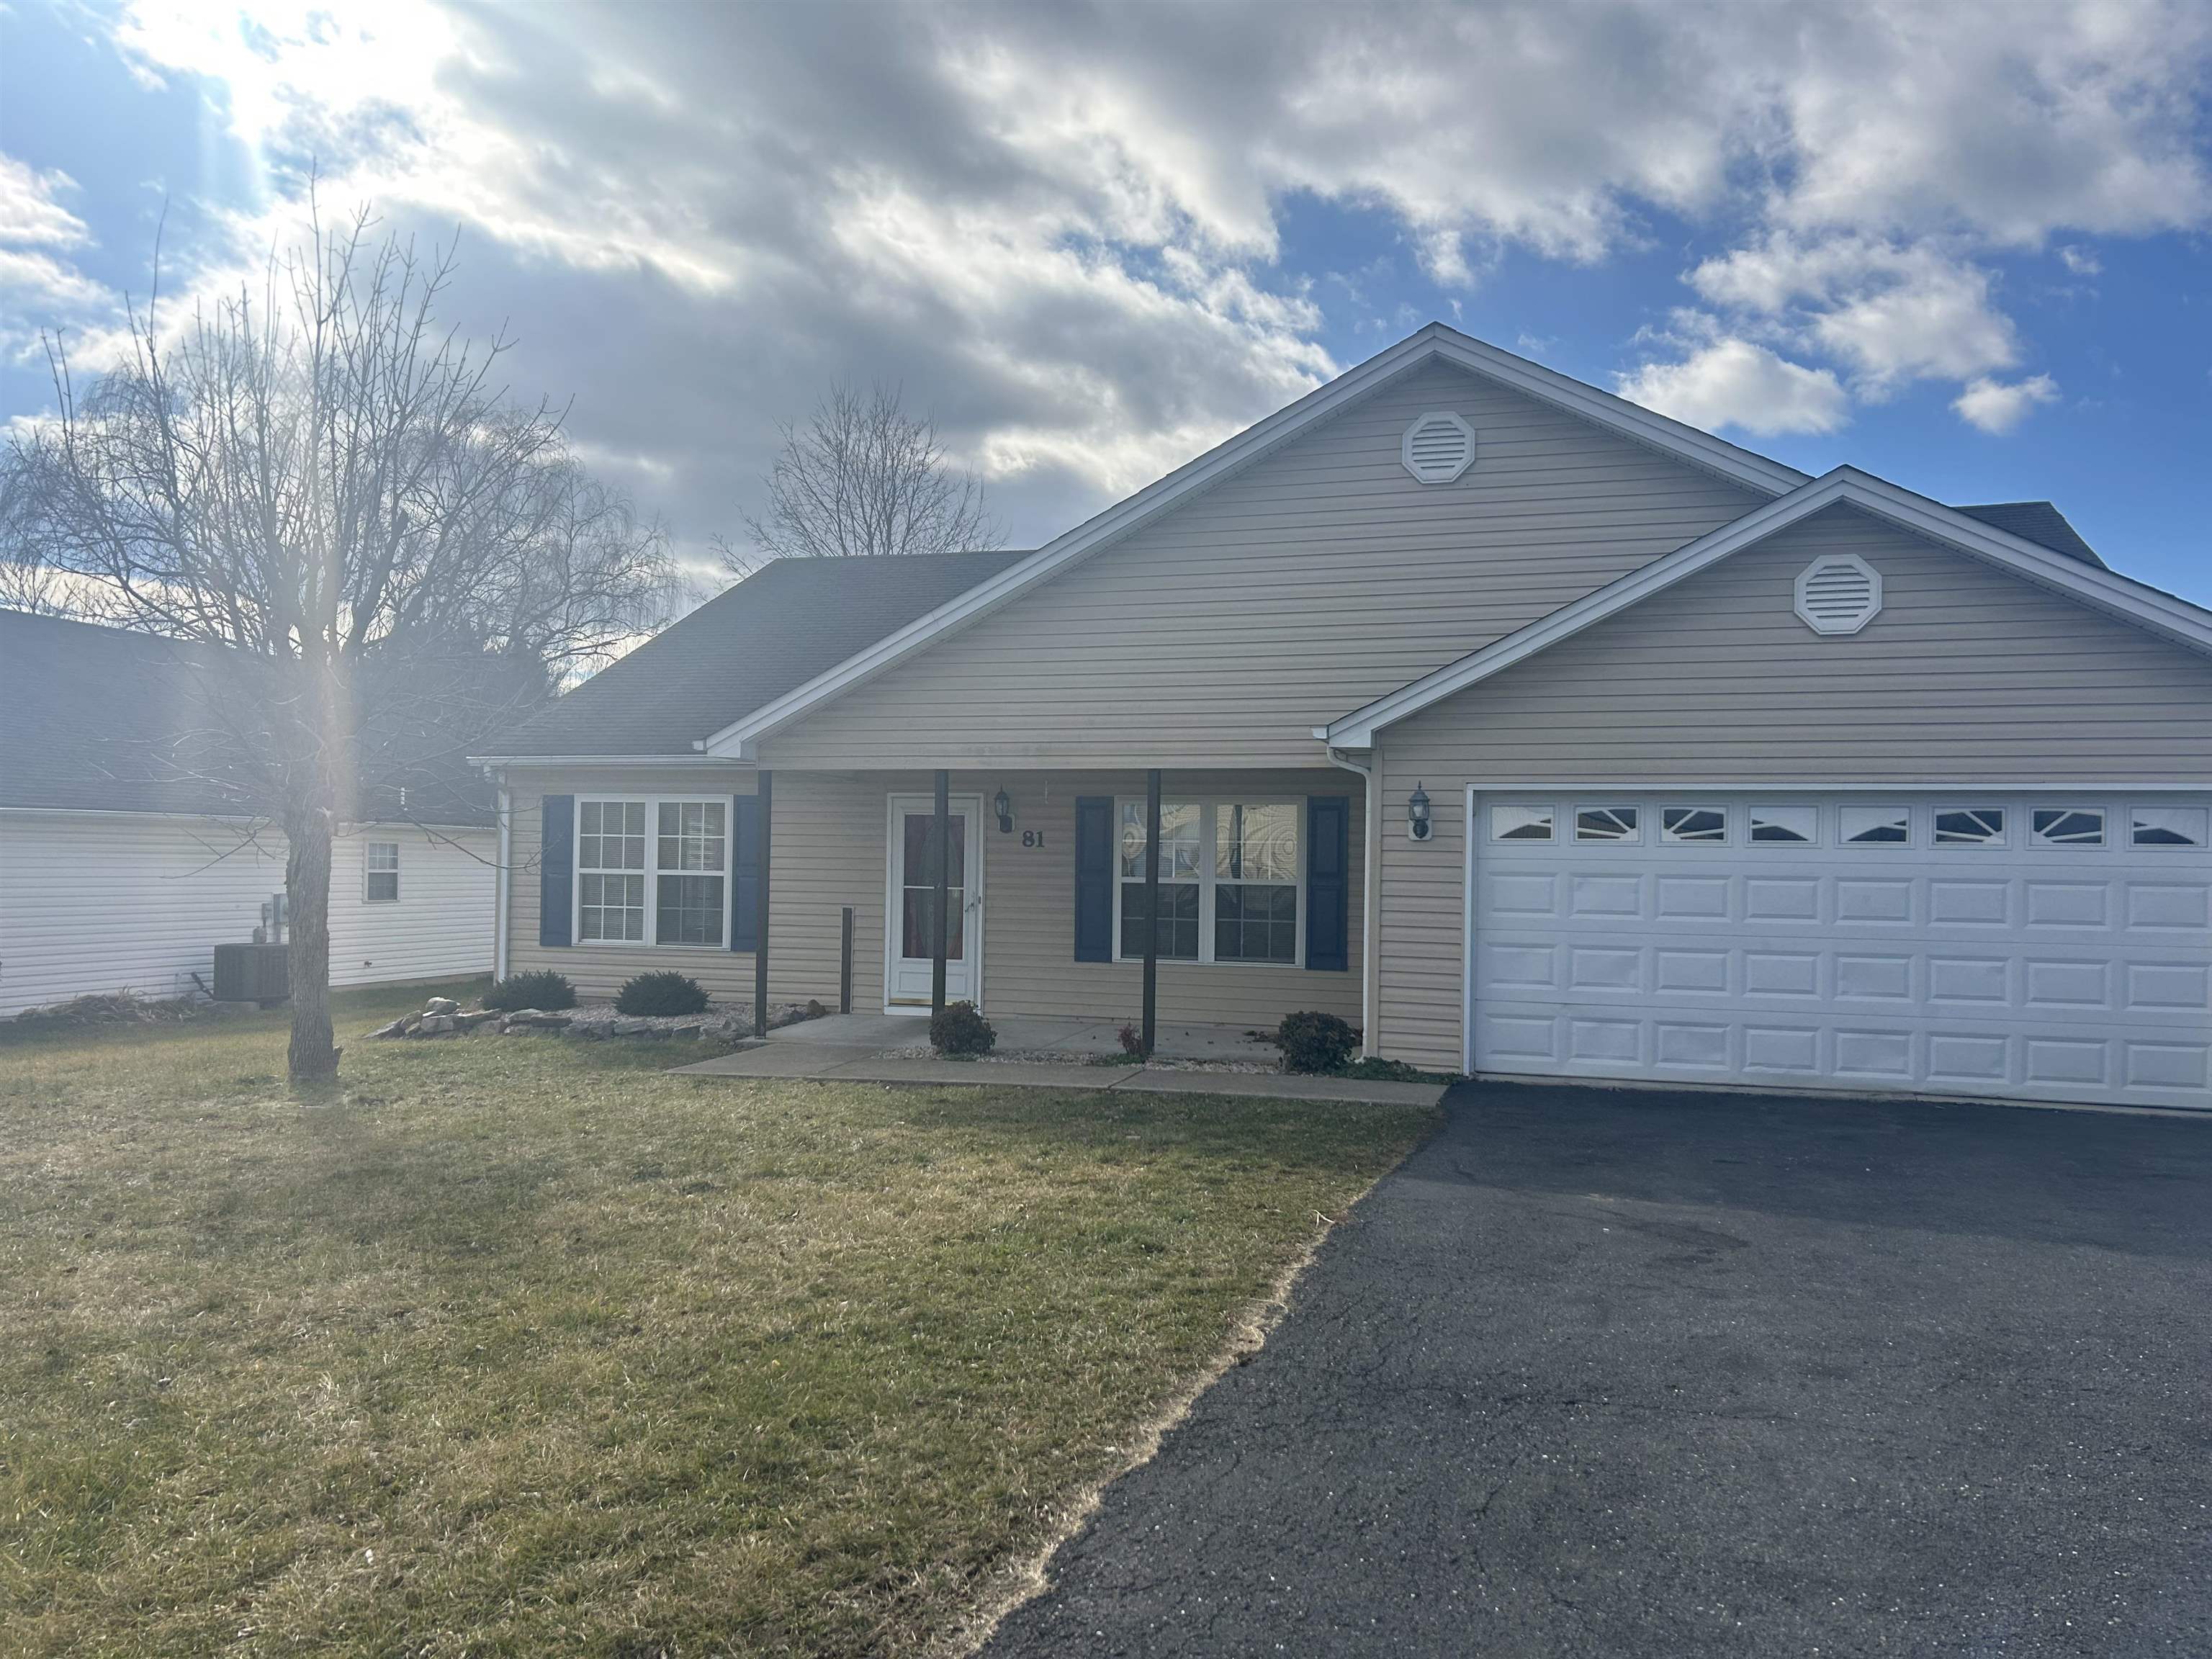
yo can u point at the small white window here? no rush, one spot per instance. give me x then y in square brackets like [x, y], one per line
[2167, 826]
[1840, 594]
[1877, 826]
[2070, 826]
[382, 883]
[1605, 823]
[1520, 823]
[1437, 447]
[1797, 824]
[1970, 826]
[1707, 824]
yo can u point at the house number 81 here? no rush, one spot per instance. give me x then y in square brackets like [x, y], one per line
[1032, 837]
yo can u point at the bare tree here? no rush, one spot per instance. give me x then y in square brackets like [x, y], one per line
[863, 478]
[328, 483]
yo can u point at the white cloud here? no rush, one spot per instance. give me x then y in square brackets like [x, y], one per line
[1736, 383]
[36, 234]
[1061, 227]
[2081, 261]
[1996, 407]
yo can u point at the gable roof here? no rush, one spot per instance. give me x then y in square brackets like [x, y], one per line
[2131, 601]
[107, 719]
[1434, 343]
[779, 628]
[2040, 522]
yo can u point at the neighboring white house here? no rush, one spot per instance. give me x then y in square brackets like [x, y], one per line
[123, 863]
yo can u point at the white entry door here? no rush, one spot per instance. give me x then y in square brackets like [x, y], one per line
[2050, 947]
[910, 903]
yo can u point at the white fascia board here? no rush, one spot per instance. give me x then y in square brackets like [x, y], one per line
[523, 762]
[1434, 342]
[2159, 613]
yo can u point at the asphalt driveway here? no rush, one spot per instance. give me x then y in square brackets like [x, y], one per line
[1635, 1374]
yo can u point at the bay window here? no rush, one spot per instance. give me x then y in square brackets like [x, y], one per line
[1229, 884]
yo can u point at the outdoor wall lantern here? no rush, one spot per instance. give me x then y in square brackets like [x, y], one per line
[1417, 814]
[1004, 807]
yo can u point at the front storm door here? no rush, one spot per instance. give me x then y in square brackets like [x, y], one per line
[911, 901]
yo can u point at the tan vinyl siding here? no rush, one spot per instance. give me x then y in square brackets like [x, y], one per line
[831, 852]
[1312, 581]
[598, 970]
[1968, 675]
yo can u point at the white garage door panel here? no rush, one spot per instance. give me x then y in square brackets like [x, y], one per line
[2021, 968]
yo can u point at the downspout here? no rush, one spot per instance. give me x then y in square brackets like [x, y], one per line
[1370, 899]
[502, 880]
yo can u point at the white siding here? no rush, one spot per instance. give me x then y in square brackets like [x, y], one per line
[443, 924]
[98, 902]
[1288, 594]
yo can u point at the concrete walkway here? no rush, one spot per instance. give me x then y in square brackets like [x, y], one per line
[1054, 1054]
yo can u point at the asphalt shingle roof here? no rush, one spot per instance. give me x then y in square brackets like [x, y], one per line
[103, 720]
[779, 627]
[2039, 522]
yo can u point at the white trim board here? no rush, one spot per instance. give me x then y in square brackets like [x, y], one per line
[1435, 343]
[2159, 613]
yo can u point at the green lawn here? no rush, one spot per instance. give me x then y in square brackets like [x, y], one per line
[514, 1345]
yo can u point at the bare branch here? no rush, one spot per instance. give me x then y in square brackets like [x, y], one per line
[863, 478]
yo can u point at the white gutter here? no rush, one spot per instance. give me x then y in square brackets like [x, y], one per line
[503, 883]
[722, 762]
[1370, 899]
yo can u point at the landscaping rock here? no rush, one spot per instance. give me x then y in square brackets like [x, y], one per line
[436, 1024]
[442, 1005]
[398, 1028]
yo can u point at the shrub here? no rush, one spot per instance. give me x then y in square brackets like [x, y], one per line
[663, 991]
[1314, 1042]
[1132, 1042]
[961, 1033]
[543, 989]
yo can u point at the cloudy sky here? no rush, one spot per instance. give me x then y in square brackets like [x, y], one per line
[1968, 248]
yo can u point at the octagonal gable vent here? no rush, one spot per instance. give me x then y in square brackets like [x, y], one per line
[1438, 448]
[1839, 594]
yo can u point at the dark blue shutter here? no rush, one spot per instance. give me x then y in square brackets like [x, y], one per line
[1329, 882]
[745, 873]
[556, 868]
[1094, 878]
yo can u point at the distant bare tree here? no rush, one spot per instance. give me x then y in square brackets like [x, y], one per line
[328, 483]
[863, 478]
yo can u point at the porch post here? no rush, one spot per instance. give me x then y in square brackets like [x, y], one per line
[943, 894]
[1152, 904]
[764, 786]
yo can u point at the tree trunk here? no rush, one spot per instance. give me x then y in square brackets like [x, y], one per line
[307, 960]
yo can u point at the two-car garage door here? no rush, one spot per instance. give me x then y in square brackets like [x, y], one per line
[2045, 947]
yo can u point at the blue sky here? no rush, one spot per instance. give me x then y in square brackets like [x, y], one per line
[1966, 248]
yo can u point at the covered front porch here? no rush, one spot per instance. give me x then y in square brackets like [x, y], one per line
[1027, 892]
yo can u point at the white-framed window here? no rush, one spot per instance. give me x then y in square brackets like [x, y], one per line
[1693, 825]
[2168, 826]
[1795, 826]
[1874, 826]
[2068, 826]
[1515, 821]
[1231, 874]
[380, 873]
[1970, 826]
[1607, 823]
[650, 871]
